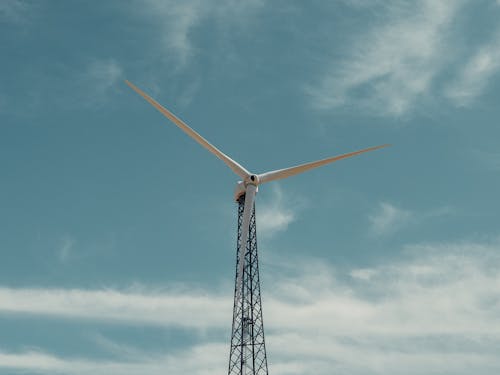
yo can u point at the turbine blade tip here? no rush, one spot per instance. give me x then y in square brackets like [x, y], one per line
[383, 146]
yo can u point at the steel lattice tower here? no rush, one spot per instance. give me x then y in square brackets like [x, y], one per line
[248, 349]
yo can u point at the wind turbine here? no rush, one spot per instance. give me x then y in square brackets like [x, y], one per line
[245, 192]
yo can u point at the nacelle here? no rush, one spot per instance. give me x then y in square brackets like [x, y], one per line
[240, 190]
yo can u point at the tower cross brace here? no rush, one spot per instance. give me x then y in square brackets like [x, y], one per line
[248, 349]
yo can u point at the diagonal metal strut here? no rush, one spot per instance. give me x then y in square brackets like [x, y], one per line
[247, 354]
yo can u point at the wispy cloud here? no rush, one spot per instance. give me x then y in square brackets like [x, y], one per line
[361, 3]
[434, 311]
[15, 11]
[404, 297]
[388, 219]
[98, 80]
[474, 77]
[178, 19]
[276, 215]
[91, 86]
[65, 248]
[64, 86]
[364, 274]
[393, 65]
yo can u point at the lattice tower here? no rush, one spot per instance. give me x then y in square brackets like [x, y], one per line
[248, 349]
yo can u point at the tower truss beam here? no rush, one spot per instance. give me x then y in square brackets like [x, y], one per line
[248, 349]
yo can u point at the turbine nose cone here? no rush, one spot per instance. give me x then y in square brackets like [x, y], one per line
[253, 180]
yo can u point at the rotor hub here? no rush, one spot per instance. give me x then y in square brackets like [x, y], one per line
[252, 179]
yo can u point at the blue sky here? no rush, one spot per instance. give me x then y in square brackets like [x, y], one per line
[118, 231]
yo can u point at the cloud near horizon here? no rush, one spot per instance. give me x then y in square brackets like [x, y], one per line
[435, 307]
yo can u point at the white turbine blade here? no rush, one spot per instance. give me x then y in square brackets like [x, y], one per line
[237, 168]
[287, 172]
[245, 227]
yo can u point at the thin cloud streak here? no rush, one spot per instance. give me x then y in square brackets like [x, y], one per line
[66, 248]
[206, 359]
[189, 310]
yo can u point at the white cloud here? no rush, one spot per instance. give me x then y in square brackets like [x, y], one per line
[435, 311]
[121, 306]
[448, 289]
[393, 65]
[388, 219]
[476, 74]
[207, 359]
[276, 215]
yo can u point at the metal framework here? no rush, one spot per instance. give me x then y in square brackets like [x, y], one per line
[248, 350]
